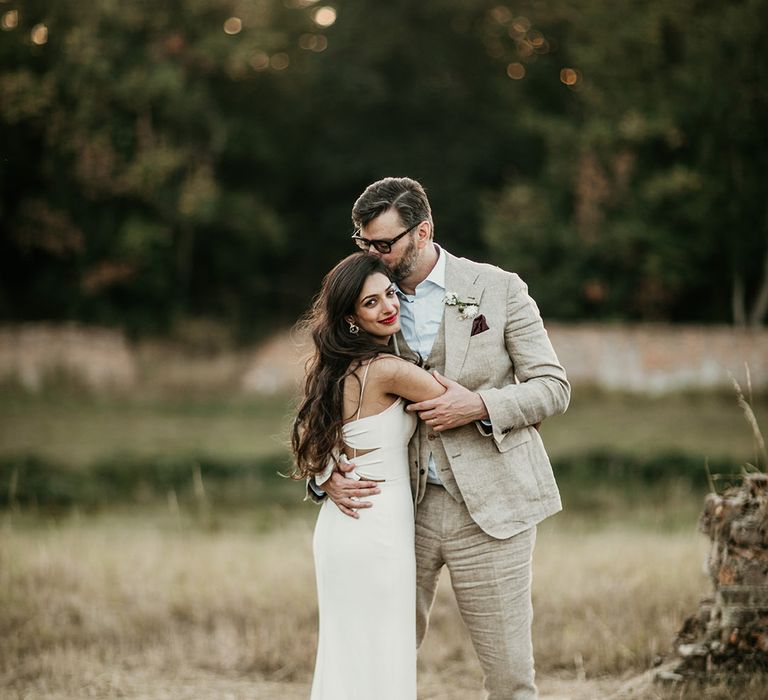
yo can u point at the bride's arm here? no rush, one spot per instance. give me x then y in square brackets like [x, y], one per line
[402, 378]
[391, 375]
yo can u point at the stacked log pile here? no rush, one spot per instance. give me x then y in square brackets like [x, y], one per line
[727, 638]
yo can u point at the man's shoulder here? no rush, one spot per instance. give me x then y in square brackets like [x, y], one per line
[491, 273]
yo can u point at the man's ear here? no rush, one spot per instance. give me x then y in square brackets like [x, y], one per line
[424, 232]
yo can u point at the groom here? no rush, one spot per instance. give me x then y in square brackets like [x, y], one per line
[480, 475]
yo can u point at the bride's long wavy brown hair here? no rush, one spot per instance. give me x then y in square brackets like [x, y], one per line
[338, 353]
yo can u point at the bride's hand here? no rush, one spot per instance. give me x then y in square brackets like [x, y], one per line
[346, 492]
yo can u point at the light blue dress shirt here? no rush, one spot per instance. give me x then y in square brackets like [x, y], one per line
[420, 317]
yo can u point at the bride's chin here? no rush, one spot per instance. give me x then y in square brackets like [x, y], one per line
[384, 338]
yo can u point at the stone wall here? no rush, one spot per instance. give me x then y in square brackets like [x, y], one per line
[642, 358]
[658, 359]
[34, 354]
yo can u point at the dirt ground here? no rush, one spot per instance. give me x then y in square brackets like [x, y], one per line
[202, 687]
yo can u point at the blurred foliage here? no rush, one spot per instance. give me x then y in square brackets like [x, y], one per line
[647, 200]
[199, 158]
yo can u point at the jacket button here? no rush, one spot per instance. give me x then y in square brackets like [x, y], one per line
[431, 436]
[421, 471]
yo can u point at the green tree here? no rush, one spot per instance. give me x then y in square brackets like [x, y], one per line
[650, 203]
[200, 157]
[136, 180]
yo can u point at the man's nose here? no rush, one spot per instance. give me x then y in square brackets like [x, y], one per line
[372, 251]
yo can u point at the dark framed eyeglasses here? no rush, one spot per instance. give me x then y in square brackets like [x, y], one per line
[382, 245]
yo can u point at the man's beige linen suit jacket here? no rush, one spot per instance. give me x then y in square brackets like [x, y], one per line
[505, 478]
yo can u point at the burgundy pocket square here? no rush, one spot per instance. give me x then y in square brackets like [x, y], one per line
[479, 325]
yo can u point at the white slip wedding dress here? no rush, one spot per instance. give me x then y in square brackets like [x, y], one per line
[366, 572]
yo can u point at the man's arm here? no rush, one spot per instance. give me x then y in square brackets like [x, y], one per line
[314, 492]
[457, 406]
[543, 389]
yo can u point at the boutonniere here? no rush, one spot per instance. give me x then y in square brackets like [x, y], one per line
[467, 309]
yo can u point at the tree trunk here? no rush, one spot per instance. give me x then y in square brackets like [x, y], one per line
[737, 302]
[760, 307]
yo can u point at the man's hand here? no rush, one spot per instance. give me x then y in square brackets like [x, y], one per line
[345, 492]
[457, 406]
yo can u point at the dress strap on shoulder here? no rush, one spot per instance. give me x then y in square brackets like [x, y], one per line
[362, 388]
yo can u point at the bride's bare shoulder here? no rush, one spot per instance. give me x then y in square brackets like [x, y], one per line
[386, 366]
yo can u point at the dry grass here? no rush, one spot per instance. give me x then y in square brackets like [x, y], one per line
[125, 606]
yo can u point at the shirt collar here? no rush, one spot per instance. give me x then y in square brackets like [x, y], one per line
[436, 275]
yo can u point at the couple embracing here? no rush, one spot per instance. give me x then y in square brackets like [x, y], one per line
[418, 433]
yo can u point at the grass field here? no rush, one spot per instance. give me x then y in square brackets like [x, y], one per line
[78, 428]
[152, 604]
[191, 599]
[108, 606]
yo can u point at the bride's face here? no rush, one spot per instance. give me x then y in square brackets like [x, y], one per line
[377, 309]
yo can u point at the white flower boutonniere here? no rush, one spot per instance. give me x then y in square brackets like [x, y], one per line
[467, 309]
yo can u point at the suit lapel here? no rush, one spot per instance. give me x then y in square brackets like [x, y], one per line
[402, 349]
[463, 281]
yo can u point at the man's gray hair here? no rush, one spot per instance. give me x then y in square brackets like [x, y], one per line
[403, 194]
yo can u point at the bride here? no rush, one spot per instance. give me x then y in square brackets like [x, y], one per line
[353, 410]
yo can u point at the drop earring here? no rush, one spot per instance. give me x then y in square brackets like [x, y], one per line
[354, 328]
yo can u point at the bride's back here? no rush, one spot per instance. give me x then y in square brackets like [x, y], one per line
[366, 391]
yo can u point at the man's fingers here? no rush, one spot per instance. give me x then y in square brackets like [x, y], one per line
[361, 493]
[447, 383]
[422, 405]
[354, 504]
[360, 488]
[344, 484]
[350, 506]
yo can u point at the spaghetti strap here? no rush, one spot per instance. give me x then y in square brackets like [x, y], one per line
[362, 388]
[360, 401]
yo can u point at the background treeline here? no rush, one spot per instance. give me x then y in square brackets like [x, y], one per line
[187, 158]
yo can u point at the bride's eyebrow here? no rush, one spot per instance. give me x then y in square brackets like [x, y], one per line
[377, 294]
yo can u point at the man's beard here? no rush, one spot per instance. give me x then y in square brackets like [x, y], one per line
[407, 263]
